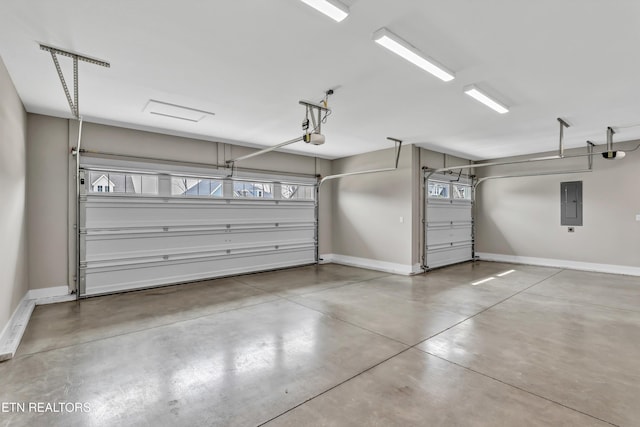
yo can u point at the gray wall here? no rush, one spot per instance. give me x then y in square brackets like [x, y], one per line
[13, 181]
[52, 189]
[521, 216]
[48, 201]
[367, 208]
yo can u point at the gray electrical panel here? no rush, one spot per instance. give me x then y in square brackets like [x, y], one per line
[571, 203]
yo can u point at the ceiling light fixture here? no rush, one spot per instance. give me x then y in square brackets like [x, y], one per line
[407, 51]
[482, 97]
[332, 8]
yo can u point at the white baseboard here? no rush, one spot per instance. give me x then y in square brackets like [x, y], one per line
[14, 330]
[573, 265]
[50, 295]
[371, 264]
[417, 269]
[12, 333]
[325, 259]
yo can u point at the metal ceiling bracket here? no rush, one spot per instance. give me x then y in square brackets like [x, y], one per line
[590, 146]
[315, 110]
[64, 85]
[80, 57]
[398, 148]
[563, 125]
[74, 103]
[610, 133]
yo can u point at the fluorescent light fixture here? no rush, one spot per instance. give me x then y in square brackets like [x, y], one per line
[332, 8]
[479, 282]
[478, 95]
[404, 49]
[505, 273]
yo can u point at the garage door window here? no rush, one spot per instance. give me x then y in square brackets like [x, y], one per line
[107, 182]
[439, 190]
[461, 191]
[298, 192]
[185, 186]
[254, 190]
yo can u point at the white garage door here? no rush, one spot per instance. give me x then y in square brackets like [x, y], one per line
[449, 220]
[141, 229]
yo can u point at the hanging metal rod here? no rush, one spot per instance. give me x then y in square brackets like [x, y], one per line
[342, 175]
[186, 163]
[78, 272]
[590, 146]
[610, 133]
[563, 125]
[559, 156]
[481, 180]
[265, 150]
[397, 149]
[514, 162]
[481, 165]
[73, 106]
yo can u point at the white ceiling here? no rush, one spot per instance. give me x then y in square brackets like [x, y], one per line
[250, 62]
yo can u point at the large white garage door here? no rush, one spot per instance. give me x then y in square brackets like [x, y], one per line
[449, 220]
[141, 229]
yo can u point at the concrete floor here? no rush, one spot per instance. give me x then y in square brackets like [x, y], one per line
[340, 346]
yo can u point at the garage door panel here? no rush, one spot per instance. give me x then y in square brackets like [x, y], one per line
[131, 244]
[442, 256]
[439, 213]
[455, 234]
[108, 279]
[118, 212]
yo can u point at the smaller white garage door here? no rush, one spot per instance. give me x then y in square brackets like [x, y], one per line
[449, 220]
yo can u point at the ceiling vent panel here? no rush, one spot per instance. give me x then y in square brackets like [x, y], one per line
[179, 112]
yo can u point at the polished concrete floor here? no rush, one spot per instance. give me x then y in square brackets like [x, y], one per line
[332, 345]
